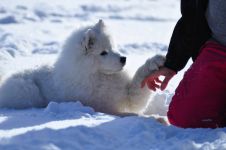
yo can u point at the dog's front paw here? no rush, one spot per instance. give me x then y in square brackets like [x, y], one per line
[155, 62]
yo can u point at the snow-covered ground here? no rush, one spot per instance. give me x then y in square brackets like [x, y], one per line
[32, 33]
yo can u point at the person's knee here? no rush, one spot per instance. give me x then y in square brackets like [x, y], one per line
[192, 117]
[182, 115]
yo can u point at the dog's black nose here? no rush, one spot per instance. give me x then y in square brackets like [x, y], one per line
[123, 60]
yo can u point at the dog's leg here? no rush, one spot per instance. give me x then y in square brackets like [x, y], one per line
[139, 96]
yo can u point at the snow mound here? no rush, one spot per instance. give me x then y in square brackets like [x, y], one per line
[8, 20]
[159, 104]
[65, 108]
[68, 126]
[47, 48]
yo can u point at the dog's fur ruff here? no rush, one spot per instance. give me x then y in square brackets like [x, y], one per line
[87, 70]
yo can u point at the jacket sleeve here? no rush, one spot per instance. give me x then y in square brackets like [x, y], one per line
[181, 44]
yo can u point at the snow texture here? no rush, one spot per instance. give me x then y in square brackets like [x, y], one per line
[32, 33]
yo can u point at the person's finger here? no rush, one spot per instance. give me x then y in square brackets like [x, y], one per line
[152, 85]
[153, 77]
[156, 85]
[147, 79]
[165, 82]
[158, 80]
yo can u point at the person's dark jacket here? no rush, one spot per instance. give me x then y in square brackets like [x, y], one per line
[190, 33]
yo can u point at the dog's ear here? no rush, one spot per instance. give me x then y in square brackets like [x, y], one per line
[88, 40]
[100, 25]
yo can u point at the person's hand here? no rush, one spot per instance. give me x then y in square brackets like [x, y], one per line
[153, 82]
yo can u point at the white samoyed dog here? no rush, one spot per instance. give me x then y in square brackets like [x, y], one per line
[87, 70]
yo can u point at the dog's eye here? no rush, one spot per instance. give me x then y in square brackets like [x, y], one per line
[103, 53]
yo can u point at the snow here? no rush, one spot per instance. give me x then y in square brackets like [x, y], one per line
[32, 33]
[73, 126]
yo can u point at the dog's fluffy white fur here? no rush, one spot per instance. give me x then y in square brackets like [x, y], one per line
[89, 70]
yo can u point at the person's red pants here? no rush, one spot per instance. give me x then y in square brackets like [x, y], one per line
[200, 99]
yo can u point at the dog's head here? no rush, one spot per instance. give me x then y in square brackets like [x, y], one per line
[97, 45]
